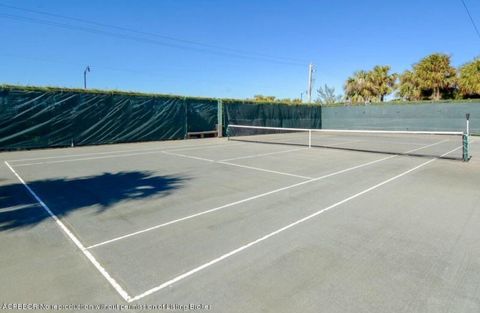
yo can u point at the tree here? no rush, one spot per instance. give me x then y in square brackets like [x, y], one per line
[262, 98]
[374, 85]
[409, 87]
[327, 96]
[357, 88]
[381, 81]
[469, 80]
[435, 73]
[289, 100]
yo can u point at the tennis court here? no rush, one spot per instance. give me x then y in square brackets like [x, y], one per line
[239, 226]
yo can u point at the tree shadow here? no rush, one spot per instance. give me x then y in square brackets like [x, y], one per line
[64, 195]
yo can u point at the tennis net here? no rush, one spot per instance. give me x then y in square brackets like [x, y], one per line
[446, 145]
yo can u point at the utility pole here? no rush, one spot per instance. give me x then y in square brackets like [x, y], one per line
[87, 69]
[311, 70]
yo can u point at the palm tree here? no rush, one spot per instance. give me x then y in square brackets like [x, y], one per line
[368, 86]
[350, 89]
[409, 86]
[435, 73]
[381, 81]
[357, 88]
[469, 80]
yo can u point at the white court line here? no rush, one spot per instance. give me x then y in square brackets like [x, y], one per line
[118, 155]
[251, 198]
[79, 155]
[225, 144]
[108, 152]
[188, 156]
[86, 159]
[261, 155]
[293, 150]
[75, 240]
[237, 165]
[124, 294]
[264, 170]
[237, 202]
[276, 232]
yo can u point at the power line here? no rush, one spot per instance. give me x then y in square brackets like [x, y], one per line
[126, 70]
[471, 18]
[138, 39]
[226, 51]
[147, 33]
[58, 61]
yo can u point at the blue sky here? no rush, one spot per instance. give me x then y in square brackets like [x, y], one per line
[225, 48]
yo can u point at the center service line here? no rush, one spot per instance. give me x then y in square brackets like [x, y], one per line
[236, 203]
[237, 165]
[248, 199]
[260, 155]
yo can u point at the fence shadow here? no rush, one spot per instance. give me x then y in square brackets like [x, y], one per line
[65, 195]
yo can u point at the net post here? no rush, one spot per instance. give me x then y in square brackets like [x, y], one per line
[465, 140]
[309, 138]
[468, 123]
[466, 146]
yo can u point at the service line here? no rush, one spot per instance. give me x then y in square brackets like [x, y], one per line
[237, 203]
[115, 154]
[261, 155]
[252, 198]
[237, 165]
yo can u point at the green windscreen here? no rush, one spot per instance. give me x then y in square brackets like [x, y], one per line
[413, 116]
[55, 118]
[273, 114]
[41, 118]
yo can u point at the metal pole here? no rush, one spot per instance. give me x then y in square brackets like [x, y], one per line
[87, 69]
[468, 123]
[466, 140]
[220, 118]
[311, 70]
[309, 87]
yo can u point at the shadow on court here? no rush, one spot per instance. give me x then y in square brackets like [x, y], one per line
[63, 196]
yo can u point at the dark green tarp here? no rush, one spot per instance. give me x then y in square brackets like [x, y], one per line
[448, 116]
[201, 115]
[39, 119]
[272, 114]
